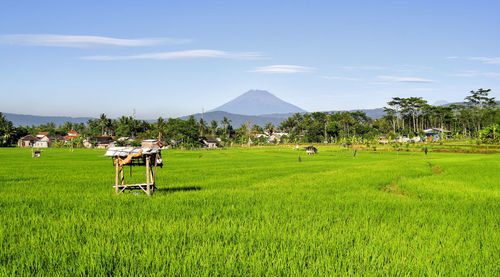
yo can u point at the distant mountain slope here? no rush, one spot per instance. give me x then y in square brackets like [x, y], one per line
[258, 102]
[238, 119]
[463, 103]
[28, 120]
[373, 113]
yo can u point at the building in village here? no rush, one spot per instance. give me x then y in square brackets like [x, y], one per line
[274, 137]
[103, 142]
[71, 135]
[41, 140]
[45, 140]
[435, 134]
[87, 142]
[27, 141]
[210, 142]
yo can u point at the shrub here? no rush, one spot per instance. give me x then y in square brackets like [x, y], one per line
[490, 134]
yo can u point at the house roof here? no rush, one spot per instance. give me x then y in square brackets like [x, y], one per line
[211, 140]
[70, 137]
[29, 137]
[436, 129]
[51, 137]
[42, 133]
[73, 132]
[103, 139]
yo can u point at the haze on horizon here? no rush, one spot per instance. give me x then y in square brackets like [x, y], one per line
[178, 57]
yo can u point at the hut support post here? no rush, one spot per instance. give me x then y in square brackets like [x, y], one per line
[122, 169]
[154, 171]
[117, 168]
[147, 176]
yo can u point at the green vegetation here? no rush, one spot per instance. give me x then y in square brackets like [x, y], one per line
[409, 117]
[252, 212]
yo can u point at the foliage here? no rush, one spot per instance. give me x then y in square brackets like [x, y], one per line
[490, 134]
[404, 116]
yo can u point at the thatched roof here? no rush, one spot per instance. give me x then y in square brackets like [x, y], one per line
[125, 151]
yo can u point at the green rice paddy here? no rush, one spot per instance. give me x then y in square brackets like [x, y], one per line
[252, 212]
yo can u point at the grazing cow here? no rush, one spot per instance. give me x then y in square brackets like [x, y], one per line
[311, 150]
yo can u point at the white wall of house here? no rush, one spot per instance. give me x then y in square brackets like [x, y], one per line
[41, 144]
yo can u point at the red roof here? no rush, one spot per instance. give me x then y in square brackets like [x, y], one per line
[72, 132]
[43, 133]
[70, 137]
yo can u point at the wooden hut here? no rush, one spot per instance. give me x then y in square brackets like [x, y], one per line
[311, 150]
[130, 156]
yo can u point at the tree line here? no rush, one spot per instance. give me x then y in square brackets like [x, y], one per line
[477, 117]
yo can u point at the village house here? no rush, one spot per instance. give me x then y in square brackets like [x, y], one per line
[273, 137]
[71, 134]
[210, 142]
[27, 141]
[45, 140]
[436, 134]
[42, 134]
[87, 143]
[276, 137]
[103, 142]
[383, 140]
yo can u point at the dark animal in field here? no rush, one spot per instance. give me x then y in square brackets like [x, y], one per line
[311, 150]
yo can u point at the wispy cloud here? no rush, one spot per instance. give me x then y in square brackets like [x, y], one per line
[83, 41]
[473, 73]
[399, 79]
[283, 69]
[341, 78]
[488, 60]
[187, 54]
[364, 67]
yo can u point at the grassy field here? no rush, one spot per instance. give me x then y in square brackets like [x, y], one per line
[252, 212]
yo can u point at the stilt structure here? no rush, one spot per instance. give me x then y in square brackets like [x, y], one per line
[130, 156]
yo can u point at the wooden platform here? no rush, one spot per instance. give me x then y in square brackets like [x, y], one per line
[131, 187]
[148, 157]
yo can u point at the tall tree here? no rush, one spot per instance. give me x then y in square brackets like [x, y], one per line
[104, 122]
[213, 127]
[479, 103]
[269, 127]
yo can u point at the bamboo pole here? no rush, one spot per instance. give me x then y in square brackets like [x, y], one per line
[122, 169]
[147, 175]
[156, 165]
[116, 175]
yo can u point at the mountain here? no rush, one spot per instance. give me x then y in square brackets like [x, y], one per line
[258, 102]
[440, 103]
[28, 120]
[373, 113]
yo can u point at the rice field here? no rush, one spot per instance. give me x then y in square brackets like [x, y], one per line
[252, 211]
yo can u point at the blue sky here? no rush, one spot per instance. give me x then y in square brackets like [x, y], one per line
[172, 58]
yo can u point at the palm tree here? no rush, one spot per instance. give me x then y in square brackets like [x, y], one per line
[225, 122]
[213, 127]
[202, 126]
[104, 122]
[269, 127]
